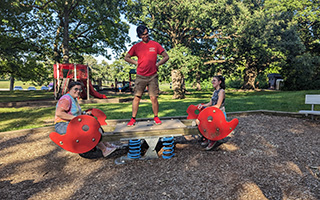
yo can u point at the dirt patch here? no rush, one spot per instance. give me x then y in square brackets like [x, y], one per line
[268, 157]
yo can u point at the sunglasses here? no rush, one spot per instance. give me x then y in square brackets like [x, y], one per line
[144, 34]
[78, 89]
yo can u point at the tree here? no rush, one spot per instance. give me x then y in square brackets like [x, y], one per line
[81, 27]
[299, 41]
[58, 30]
[99, 72]
[105, 71]
[252, 35]
[21, 52]
[250, 51]
[120, 70]
[197, 25]
[305, 14]
[180, 56]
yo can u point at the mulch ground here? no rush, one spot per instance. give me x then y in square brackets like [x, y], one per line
[268, 157]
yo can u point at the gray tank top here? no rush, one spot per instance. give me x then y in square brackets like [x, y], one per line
[215, 97]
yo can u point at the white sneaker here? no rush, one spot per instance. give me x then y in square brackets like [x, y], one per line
[205, 142]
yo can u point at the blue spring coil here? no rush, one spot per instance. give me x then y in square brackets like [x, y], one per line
[168, 147]
[134, 149]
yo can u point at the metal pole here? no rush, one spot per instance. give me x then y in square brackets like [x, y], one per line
[88, 95]
[58, 82]
[75, 71]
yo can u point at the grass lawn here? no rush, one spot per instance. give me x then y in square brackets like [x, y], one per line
[22, 118]
[25, 95]
[5, 84]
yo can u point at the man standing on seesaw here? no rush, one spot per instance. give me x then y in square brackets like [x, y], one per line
[147, 67]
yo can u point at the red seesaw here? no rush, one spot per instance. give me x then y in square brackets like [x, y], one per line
[83, 132]
[213, 124]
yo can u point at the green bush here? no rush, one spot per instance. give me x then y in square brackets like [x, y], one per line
[235, 83]
[262, 81]
[206, 84]
[302, 73]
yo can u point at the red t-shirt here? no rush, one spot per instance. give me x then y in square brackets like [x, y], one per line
[147, 57]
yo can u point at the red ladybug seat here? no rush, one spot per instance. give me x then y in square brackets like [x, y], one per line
[101, 117]
[83, 134]
[193, 112]
[213, 124]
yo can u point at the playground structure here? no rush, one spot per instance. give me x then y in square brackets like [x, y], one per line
[126, 85]
[64, 73]
[84, 132]
[131, 80]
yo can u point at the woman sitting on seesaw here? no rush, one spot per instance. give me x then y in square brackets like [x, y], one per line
[68, 108]
[217, 100]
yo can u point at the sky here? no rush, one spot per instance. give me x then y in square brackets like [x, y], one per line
[133, 37]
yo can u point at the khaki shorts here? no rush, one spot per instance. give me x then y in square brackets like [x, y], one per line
[142, 82]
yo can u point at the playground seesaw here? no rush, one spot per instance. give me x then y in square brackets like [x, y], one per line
[84, 132]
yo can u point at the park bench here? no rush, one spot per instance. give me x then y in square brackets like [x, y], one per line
[313, 100]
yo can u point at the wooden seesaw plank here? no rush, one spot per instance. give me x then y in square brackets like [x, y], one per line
[142, 129]
[149, 132]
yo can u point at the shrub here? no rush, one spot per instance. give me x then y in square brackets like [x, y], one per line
[235, 82]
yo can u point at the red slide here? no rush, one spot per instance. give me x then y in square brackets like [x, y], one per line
[92, 91]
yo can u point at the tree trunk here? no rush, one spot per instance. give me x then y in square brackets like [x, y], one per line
[11, 82]
[249, 78]
[65, 49]
[177, 84]
[100, 83]
[198, 85]
[56, 52]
